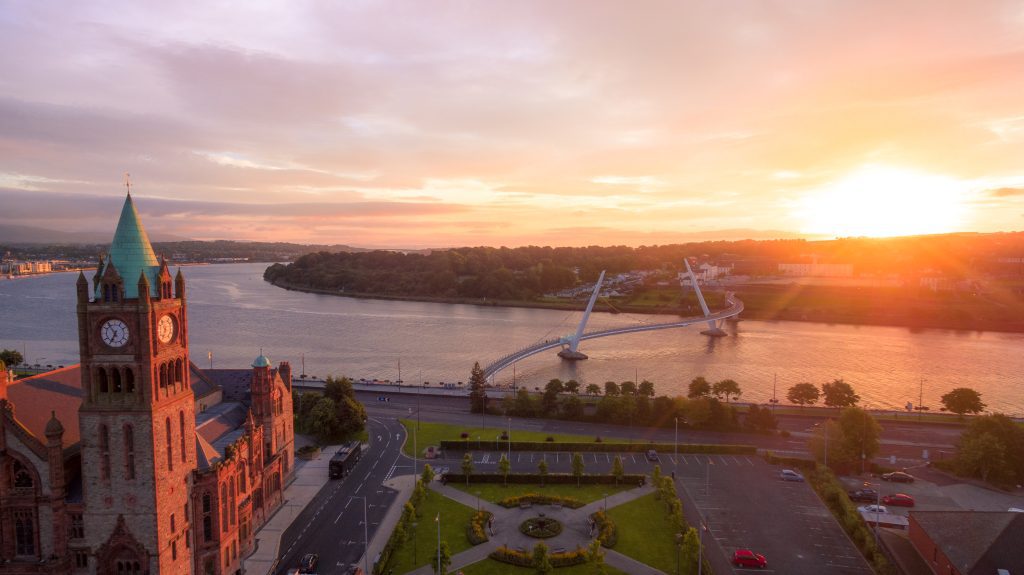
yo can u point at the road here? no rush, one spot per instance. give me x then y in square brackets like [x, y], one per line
[332, 524]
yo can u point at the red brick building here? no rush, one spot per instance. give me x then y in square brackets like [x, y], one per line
[969, 542]
[136, 461]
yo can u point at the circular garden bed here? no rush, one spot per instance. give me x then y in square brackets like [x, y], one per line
[540, 527]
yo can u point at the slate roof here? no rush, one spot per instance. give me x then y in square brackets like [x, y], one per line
[234, 383]
[976, 542]
[201, 385]
[131, 253]
[35, 397]
[219, 419]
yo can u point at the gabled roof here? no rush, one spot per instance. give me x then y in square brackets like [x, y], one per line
[131, 254]
[59, 391]
[976, 542]
[220, 419]
[201, 385]
[235, 383]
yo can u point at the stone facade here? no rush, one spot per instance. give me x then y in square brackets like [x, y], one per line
[135, 485]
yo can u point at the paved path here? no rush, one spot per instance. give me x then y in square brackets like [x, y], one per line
[575, 533]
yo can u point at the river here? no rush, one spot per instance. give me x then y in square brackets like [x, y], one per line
[234, 314]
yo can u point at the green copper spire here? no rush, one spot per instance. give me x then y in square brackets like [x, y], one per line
[131, 253]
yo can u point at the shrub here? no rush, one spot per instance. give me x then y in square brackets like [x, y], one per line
[476, 531]
[597, 439]
[607, 532]
[464, 435]
[577, 556]
[549, 479]
[551, 445]
[534, 498]
[511, 556]
[550, 439]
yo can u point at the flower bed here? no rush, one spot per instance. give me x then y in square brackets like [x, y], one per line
[540, 527]
[476, 531]
[607, 533]
[538, 499]
[523, 559]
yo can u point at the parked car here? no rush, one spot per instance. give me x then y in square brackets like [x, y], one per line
[652, 455]
[899, 499]
[747, 558]
[790, 475]
[864, 495]
[308, 563]
[873, 509]
[898, 477]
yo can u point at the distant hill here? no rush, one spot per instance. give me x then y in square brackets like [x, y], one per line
[31, 235]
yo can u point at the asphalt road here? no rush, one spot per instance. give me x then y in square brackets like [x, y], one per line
[332, 524]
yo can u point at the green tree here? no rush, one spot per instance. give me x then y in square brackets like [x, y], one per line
[760, 419]
[577, 467]
[572, 386]
[963, 400]
[321, 422]
[595, 558]
[611, 389]
[541, 559]
[338, 388]
[983, 455]
[428, 474]
[699, 387]
[690, 550]
[542, 468]
[803, 394]
[504, 466]
[549, 401]
[525, 405]
[839, 394]
[593, 389]
[11, 357]
[726, 388]
[627, 388]
[350, 416]
[467, 465]
[445, 556]
[1010, 438]
[852, 439]
[646, 389]
[617, 469]
[571, 407]
[477, 389]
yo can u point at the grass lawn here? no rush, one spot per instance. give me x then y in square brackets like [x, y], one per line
[645, 533]
[454, 518]
[492, 567]
[494, 491]
[433, 433]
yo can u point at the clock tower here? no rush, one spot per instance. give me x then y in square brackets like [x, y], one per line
[137, 415]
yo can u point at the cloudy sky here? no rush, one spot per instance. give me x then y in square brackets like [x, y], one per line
[428, 123]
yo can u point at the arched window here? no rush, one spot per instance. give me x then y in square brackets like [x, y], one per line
[129, 380]
[106, 292]
[242, 480]
[115, 380]
[170, 446]
[113, 292]
[101, 378]
[177, 371]
[163, 376]
[104, 452]
[24, 533]
[181, 425]
[233, 504]
[129, 452]
[224, 507]
[207, 518]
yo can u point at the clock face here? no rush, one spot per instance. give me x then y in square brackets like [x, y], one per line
[114, 332]
[165, 329]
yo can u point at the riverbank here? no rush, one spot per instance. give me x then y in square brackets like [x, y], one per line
[889, 307]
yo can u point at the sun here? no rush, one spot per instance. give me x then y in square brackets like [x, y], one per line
[882, 201]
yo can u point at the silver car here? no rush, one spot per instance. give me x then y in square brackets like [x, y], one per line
[790, 475]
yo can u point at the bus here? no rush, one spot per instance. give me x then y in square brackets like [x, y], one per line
[344, 460]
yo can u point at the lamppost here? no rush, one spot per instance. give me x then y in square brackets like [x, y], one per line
[438, 520]
[878, 504]
[477, 502]
[606, 503]
[773, 400]
[366, 537]
[415, 452]
[675, 450]
[509, 433]
[679, 545]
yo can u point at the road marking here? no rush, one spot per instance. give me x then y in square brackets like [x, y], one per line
[608, 457]
[724, 460]
[358, 488]
[710, 461]
[633, 458]
[674, 462]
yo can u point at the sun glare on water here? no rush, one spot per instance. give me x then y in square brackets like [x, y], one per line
[880, 201]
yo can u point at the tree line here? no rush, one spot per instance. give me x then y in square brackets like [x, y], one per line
[331, 416]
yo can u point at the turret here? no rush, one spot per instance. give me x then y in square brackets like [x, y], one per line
[143, 290]
[82, 287]
[55, 457]
[179, 285]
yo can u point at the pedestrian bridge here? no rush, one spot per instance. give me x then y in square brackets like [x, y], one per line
[733, 309]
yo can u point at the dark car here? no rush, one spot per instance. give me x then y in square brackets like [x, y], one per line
[863, 495]
[308, 563]
[652, 455]
[747, 558]
[898, 477]
[899, 499]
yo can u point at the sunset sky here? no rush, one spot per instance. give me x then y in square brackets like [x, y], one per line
[430, 124]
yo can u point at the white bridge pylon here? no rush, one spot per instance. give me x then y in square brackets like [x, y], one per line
[714, 328]
[571, 343]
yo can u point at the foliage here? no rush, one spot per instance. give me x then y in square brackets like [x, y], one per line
[963, 400]
[540, 527]
[726, 388]
[428, 474]
[595, 557]
[611, 388]
[504, 466]
[476, 531]
[850, 439]
[11, 357]
[635, 447]
[803, 394]
[607, 532]
[760, 420]
[627, 388]
[839, 394]
[445, 558]
[699, 387]
[572, 386]
[992, 448]
[542, 470]
[541, 561]
[541, 499]
[618, 471]
[593, 389]
[477, 393]
[467, 465]
[646, 389]
[519, 558]
[577, 466]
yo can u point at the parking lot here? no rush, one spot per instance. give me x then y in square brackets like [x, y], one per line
[929, 496]
[747, 506]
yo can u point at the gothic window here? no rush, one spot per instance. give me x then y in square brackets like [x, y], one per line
[106, 292]
[170, 446]
[173, 524]
[128, 567]
[207, 519]
[181, 425]
[241, 478]
[113, 292]
[129, 452]
[77, 528]
[81, 560]
[24, 533]
[177, 371]
[224, 507]
[21, 476]
[208, 566]
[233, 504]
[104, 452]
[115, 380]
[129, 380]
[101, 377]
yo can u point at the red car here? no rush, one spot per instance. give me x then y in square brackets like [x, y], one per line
[899, 499]
[747, 558]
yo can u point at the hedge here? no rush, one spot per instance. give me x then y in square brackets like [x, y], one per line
[602, 447]
[476, 531]
[549, 479]
[504, 554]
[538, 499]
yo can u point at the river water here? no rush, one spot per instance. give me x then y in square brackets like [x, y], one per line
[234, 314]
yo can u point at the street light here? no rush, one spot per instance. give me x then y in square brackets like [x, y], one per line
[366, 537]
[509, 440]
[878, 504]
[606, 503]
[675, 451]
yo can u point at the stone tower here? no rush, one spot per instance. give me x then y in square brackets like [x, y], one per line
[137, 417]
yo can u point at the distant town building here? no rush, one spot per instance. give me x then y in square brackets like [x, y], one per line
[705, 272]
[814, 269]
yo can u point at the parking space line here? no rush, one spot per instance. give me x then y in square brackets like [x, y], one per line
[608, 457]
[737, 460]
[710, 461]
[724, 460]
[748, 460]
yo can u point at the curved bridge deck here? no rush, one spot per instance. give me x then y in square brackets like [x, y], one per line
[734, 309]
